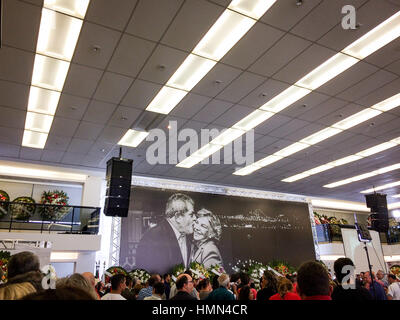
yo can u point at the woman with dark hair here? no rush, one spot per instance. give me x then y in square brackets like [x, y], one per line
[207, 231]
[204, 288]
[268, 286]
[246, 294]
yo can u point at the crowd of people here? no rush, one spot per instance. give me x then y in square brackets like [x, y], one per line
[312, 282]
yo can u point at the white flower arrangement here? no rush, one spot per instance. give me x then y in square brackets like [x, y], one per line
[140, 274]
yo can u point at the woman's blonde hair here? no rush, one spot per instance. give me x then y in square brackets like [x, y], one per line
[215, 229]
[16, 291]
[284, 286]
[78, 281]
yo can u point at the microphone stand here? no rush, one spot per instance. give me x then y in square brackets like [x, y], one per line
[370, 271]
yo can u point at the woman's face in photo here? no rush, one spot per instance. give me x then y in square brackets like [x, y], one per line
[200, 228]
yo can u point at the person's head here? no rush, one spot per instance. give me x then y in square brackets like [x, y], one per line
[269, 280]
[184, 283]
[21, 263]
[284, 286]
[223, 280]
[100, 286]
[167, 277]
[313, 280]
[78, 281]
[339, 268]
[159, 288]
[16, 291]
[246, 294]
[61, 293]
[367, 277]
[118, 283]
[391, 278]
[204, 285]
[154, 278]
[90, 278]
[380, 275]
[244, 279]
[206, 226]
[180, 211]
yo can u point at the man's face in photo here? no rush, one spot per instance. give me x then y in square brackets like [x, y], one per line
[186, 219]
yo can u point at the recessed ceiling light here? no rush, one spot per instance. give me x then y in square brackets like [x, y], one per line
[246, 170]
[206, 151]
[189, 162]
[356, 119]
[227, 136]
[293, 148]
[388, 104]
[133, 138]
[34, 139]
[285, 99]
[38, 122]
[166, 99]
[321, 135]
[49, 73]
[76, 8]
[253, 120]
[383, 187]
[43, 101]
[252, 8]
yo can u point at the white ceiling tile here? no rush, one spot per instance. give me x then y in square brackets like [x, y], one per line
[323, 18]
[124, 117]
[241, 87]
[233, 115]
[190, 105]
[100, 149]
[368, 16]
[191, 23]
[373, 126]
[9, 150]
[381, 94]
[12, 118]
[113, 14]
[82, 81]
[394, 67]
[52, 156]
[73, 158]
[304, 63]
[216, 80]
[20, 25]
[14, 95]
[288, 9]
[30, 153]
[264, 141]
[130, 55]
[302, 132]
[16, 65]
[348, 78]
[79, 145]
[279, 55]
[368, 85]
[249, 48]
[91, 36]
[88, 130]
[289, 127]
[64, 127]
[387, 55]
[57, 143]
[112, 134]
[340, 114]
[162, 64]
[152, 17]
[99, 111]
[140, 94]
[71, 107]
[112, 87]
[212, 111]
[310, 101]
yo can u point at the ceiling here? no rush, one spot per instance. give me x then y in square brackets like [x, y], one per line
[129, 48]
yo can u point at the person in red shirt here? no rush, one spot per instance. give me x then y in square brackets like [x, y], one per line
[285, 291]
[245, 282]
[313, 282]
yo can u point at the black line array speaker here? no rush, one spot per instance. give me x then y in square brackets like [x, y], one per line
[119, 177]
[379, 217]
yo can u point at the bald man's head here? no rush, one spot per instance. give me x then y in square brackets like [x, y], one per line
[90, 278]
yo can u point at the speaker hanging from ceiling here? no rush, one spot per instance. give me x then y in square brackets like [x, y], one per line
[379, 216]
[118, 177]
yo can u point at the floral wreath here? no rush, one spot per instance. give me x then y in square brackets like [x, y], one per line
[216, 270]
[22, 208]
[282, 267]
[4, 206]
[254, 269]
[112, 271]
[199, 271]
[4, 257]
[140, 274]
[176, 271]
[55, 197]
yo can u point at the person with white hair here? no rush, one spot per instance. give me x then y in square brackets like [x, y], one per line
[223, 292]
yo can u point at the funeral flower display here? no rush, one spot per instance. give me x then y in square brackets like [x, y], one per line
[111, 271]
[140, 274]
[59, 198]
[176, 271]
[4, 197]
[4, 257]
[253, 268]
[282, 267]
[199, 271]
[22, 208]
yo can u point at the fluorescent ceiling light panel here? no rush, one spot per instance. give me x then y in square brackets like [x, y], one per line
[345, 160]
[388, 169]
[268, 160]
[383, 187]
[356, 119]
[345, 205]
[327, 71]
[58, 35]
[133, 138]
[246, 170]
[293, 148]
[375, 39]
[227, 136]
[252, 120]
[321, 135]
[38, 122]
[49, 73]
[319, 169]
[76, 8]
[388, 104]
[43, 101]
[206, 150]
[223, 35]
[166, 99]
[63, 256]
[191, 71]
[296, 177]
[376, 149]
[285, 99]
[33, 139]
[252, 8]
[189, 162]
[396, 196]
